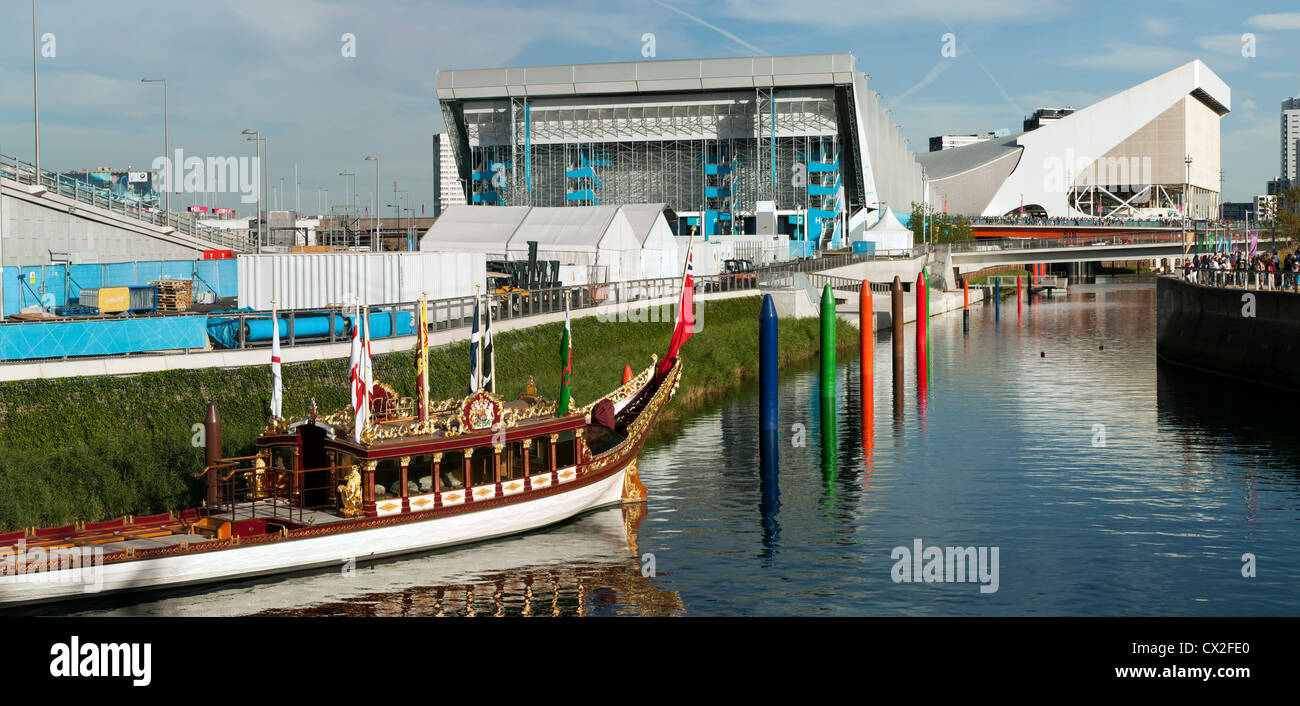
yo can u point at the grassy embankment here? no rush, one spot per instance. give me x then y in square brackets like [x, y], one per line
[95, 448]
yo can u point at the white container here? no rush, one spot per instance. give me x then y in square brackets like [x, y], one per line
[315, 280]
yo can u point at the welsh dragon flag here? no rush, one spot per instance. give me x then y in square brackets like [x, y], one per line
[566, 360]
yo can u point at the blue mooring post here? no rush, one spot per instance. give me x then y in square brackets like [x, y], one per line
[769, 409]
[997, 300]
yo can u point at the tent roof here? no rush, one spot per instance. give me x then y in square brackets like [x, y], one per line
[573, 229]
[474, 228]
[888, 223]
[643, 217]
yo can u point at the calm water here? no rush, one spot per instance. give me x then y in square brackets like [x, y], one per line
[1003, 451]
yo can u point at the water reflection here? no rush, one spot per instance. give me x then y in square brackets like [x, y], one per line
[587, 566]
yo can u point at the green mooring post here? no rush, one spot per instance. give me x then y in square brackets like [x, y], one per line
[828, 369]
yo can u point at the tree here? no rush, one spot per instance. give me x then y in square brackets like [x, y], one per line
[943, 227]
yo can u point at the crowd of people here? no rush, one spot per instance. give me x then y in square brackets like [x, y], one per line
[1149, 222]
[1239, 270]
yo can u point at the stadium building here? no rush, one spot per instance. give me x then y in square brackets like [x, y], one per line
[1144, 152]
[739, 145]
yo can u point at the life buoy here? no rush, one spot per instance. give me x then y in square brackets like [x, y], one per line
[597, 292]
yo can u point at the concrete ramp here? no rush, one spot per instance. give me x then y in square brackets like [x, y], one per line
[38, 222]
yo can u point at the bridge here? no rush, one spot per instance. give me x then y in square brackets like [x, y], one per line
[974, 255]
[50, 218]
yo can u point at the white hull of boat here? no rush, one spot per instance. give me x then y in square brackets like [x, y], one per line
[332, 550]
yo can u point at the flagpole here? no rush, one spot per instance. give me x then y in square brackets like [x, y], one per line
[478, 352]
[424, 355]
[492, 359]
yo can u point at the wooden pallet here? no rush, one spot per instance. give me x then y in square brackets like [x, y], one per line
[174, 294]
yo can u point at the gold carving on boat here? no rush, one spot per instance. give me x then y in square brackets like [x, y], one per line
[350, 494]
[633, 490]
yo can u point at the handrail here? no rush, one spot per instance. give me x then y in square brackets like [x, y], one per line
[21, 172]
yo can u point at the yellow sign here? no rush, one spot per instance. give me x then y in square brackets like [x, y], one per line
[113, 299]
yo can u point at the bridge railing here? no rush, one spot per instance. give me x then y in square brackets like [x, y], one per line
[16, 170]
[1079, 241]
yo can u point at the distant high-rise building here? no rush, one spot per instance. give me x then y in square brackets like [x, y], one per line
[447, 190]
[1290, 136]
[1043, 116]
[947, 142]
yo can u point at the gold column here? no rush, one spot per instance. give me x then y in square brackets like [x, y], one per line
[437, 472]
[406, 462]
[555, 473]
[368, 485]
[468, 456]
[528, 485]
[496, 468]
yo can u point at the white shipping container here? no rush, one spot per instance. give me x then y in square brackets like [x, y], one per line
[315, 280]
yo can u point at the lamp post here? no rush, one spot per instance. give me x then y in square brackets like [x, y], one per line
[36, 98]
[374, 244]
[171, 171]
[257, 140]
[352, 203]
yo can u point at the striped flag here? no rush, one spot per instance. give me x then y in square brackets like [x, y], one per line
[566, 359]
[489, 355]
[474, 338]
[277, 382]
[422, 360]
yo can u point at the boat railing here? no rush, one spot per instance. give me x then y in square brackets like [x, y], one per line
[281, 489]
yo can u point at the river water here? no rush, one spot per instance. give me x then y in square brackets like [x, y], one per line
[1105, 483]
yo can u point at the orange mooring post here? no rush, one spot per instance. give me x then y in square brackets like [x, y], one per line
[627, 374]
[965, 305]
[867, 324]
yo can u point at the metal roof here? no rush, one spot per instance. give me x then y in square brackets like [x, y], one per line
[647, 76]
[943, 164]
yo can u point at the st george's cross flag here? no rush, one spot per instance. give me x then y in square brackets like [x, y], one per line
[277, 382]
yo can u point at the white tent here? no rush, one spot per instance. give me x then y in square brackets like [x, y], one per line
[598, 237]
[485, 229]
[889, 233]
[658, 244]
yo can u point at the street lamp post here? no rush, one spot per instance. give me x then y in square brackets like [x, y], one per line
[36, 97]
[351, 204]
[374, 244]
[171, 171]
[257, 140]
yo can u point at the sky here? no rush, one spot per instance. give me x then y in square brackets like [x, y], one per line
[281, 67]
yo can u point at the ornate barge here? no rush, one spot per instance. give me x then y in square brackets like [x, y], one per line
[312, 497]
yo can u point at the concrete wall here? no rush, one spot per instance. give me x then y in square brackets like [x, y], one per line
[1210, 329]
[37, 222]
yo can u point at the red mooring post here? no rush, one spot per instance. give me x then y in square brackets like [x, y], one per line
[921, 324]
[1017, 295]
[867, 324]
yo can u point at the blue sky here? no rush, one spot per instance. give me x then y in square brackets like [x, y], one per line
[276, 66]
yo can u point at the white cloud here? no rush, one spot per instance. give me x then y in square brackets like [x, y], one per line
[843, 13]
[1158, 26]
[1249, 104]
[1277, 20]
[1124, 55]
[1229, 44]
